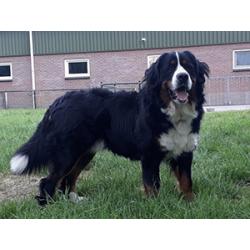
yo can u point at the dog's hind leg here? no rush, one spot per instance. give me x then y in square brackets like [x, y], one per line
[62, 165]
[47, 188]
[68, 182]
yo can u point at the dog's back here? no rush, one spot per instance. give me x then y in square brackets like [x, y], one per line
[75, 122]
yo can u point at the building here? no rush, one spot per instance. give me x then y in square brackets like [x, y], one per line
[77, 60]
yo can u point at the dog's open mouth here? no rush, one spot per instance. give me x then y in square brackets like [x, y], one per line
[180, 94]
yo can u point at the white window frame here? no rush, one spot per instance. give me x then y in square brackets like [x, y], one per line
[150, 58]
[239, 67]
[6, 78]
[72, 76]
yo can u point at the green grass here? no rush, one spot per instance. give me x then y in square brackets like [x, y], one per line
[221, 176]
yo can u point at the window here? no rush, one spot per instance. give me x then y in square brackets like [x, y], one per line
[241, 59]
[5, 71]
[152, 59]
[77, 68]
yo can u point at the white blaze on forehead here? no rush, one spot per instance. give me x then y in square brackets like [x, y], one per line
[179, 69]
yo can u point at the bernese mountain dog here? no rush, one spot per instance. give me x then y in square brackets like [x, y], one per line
[161, 121]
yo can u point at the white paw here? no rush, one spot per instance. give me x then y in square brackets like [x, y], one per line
[75, 198]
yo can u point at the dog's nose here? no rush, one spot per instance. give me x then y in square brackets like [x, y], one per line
[182, 77]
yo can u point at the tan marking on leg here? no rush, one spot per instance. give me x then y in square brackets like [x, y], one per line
[150, 191]
[184, 184]
[186, 188]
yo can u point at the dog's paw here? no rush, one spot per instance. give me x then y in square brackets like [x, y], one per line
[42, 201]
[75, 198]
[188, 196]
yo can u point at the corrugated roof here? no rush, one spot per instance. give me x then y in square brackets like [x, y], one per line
[75, 42]
[58, 42]
[14, 43]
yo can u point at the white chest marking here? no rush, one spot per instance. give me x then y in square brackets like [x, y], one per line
[179, 139]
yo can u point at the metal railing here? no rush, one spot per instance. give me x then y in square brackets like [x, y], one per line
[16, 99]
[118, 86]
[24, 98]
[229, 90]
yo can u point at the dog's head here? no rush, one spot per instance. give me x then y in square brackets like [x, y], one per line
[179, 76]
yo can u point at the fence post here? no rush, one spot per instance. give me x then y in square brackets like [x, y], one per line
[5, 100]
[139, 86]
[34, 99]
[208, 92]
[228, 91]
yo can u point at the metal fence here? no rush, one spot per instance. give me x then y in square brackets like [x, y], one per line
[30, 99]
[16, 99]
[230, 90]
[119, 86]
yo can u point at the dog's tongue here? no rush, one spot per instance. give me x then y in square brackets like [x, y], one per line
[182, 95]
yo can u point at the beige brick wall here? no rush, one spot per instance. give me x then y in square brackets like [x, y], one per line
[126, 66]
[121, 66]
[21, 82]
[21, 73]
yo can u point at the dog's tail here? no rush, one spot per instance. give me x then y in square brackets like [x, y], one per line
[32, 156]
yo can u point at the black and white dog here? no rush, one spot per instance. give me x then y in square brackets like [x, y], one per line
[162, 120]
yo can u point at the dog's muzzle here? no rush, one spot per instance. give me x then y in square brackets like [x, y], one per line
[181, 92]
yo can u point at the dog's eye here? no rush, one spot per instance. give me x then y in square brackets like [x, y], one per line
[184, 62]
[188, 66]
[173, 62]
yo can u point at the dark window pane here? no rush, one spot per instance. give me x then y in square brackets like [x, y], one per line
[4, 70]
[243, 58]
[78, 68]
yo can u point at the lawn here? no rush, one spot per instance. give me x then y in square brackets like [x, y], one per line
[221, 176]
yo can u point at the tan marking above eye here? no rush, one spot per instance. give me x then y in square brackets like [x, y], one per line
[184, 61]
[173, 62]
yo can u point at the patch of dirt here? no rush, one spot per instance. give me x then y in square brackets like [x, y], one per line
[13, 187]
[16, 187]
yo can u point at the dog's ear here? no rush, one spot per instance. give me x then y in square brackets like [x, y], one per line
[152, 74]
[203, 71]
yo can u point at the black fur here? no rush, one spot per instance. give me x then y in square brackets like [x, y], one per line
[129, 123]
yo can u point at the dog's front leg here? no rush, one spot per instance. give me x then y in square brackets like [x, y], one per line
[151, 173]
[182, 170]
